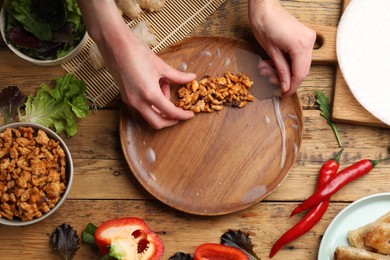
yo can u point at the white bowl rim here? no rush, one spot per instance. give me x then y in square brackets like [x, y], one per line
[70, 173]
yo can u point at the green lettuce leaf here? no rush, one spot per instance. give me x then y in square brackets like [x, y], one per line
[74, 16]
[58, 107]
[88, 235]
[22, 12]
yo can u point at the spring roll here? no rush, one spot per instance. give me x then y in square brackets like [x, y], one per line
[377, 237]
[356, 237]
[353, 253]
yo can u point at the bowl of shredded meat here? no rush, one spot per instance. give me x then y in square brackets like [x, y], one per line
[36, 173]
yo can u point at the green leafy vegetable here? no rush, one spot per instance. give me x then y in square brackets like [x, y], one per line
[88, 235]
[65, 240]
[44, 29]
[53, 12]
[240, 240]
[10, 100]
[323, 101]
[75, 17]
[22, 12]
[89, 238]
[58, 107]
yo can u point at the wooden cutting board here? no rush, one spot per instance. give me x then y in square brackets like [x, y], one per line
[346, 108]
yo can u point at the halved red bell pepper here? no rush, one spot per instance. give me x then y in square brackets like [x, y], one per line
[128, 238]
[212, 251]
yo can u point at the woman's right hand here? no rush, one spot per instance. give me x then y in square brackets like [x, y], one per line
[143, 78]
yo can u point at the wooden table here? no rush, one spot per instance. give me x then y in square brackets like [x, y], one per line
[105, 188]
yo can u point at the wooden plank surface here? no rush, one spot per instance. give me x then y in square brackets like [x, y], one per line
[179, 232]
[105, 188]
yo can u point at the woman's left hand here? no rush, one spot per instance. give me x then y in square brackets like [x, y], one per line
[288, 42]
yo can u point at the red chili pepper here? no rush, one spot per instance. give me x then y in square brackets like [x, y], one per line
[336, 182]
[328, 169]
[128, 238]
[212, 251]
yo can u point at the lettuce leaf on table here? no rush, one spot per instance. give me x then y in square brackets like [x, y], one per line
[65, 241]
[11, 98]
[58, 107]
[240, 240]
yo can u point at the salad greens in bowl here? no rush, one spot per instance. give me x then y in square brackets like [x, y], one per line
[45, 32]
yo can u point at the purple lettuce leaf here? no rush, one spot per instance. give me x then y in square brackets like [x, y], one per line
[11, 98]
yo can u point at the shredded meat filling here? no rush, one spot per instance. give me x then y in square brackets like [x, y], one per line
[32, 173]
[211, 94]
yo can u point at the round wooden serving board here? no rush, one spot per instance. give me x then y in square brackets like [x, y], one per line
[215, 163]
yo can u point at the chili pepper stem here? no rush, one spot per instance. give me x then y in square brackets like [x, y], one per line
[336, 132]
[375, 162]
[337, 157]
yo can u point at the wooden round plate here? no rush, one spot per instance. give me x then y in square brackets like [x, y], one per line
[220, 162]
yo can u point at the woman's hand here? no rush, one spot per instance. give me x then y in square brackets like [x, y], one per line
[288, 42]
[144, 81]
[142, 76]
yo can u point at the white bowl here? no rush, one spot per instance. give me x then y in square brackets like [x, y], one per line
[59, 61]
[69, 173]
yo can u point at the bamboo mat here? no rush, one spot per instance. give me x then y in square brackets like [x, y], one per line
[171, 24]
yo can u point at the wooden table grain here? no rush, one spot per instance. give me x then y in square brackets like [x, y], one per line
[105, 188]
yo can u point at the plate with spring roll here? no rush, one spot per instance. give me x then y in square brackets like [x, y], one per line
[349, 228]
[222, 160]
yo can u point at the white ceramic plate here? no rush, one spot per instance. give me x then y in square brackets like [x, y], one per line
[363, 53]
[357, 214]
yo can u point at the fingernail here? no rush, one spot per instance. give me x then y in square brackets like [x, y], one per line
[284, 87]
